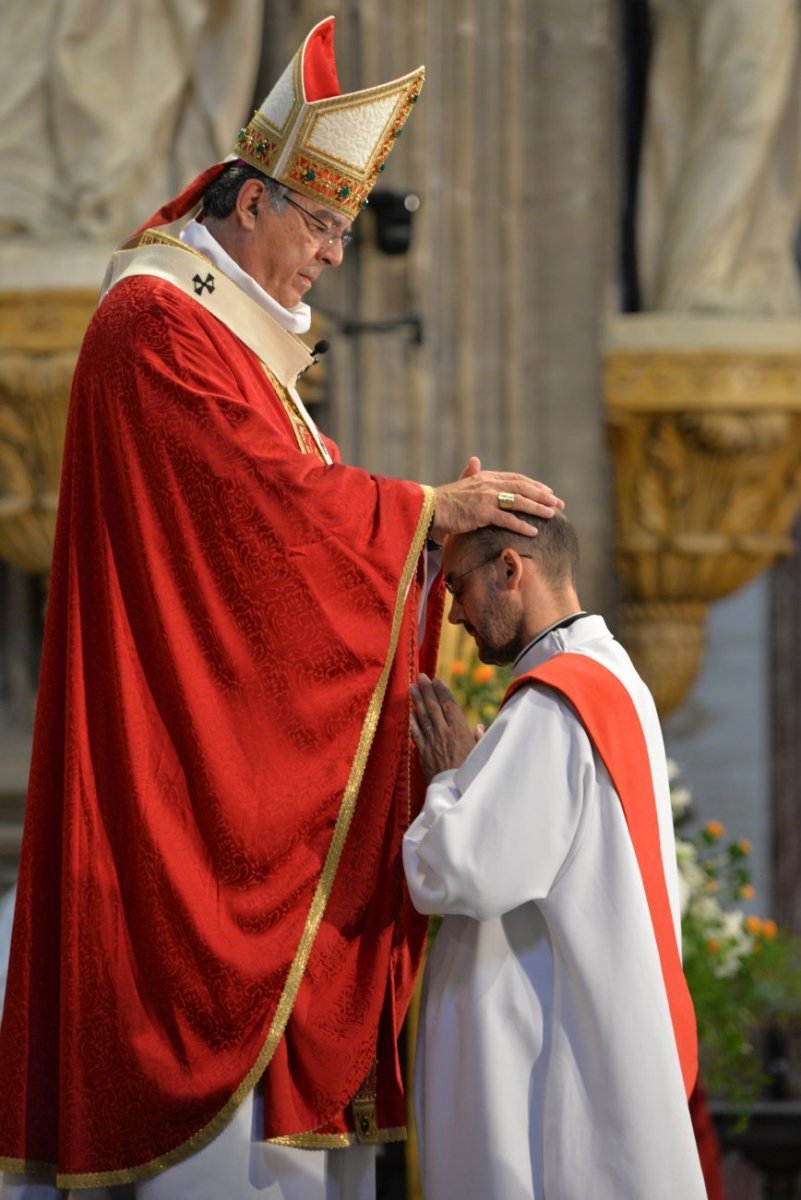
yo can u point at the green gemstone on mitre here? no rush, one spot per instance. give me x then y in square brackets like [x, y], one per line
[240, 137]
[310, 176]
[261, 147]
[344, 192]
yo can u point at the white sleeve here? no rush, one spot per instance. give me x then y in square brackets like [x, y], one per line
[432, 565]
[497, 832]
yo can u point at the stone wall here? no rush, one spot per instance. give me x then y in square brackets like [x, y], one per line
[512, 152]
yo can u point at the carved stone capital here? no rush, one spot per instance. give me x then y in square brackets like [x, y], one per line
[707, 450]
[40, 333]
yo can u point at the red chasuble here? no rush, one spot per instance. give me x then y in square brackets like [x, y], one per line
[610, 720]
[211, 888]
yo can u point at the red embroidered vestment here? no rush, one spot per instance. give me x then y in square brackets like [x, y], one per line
[210, 884]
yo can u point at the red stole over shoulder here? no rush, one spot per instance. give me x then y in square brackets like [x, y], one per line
[610, 720]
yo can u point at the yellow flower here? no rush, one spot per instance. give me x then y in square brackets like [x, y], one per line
[483, 673]
[747, 891]
[753, 925]
[769, 929]
[714, 830]
[744, 846]
[458, 668]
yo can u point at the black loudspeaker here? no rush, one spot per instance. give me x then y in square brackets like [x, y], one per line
[394, 217]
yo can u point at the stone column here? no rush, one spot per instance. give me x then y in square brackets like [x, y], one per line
[512, 154]
[718, 227]
[785, 736]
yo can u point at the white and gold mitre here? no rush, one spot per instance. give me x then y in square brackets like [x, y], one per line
[311, 138]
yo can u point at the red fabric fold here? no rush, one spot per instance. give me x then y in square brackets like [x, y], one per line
[708, 1145]
[218, 618]
[184, 202]
[320, 80]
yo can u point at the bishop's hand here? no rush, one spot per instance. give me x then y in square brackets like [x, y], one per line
[472, 501]
[439, 728]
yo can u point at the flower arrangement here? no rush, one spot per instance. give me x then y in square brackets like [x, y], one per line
[479, 688]
[744, 973]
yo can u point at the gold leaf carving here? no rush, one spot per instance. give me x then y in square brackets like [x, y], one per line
[667, 454]
[666, 642]
[736, 433]
[746, 507]
[650, 506]
[34, 393]
[707, 451]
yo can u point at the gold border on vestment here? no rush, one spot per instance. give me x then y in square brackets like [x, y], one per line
[336, 1141]
[316, 911]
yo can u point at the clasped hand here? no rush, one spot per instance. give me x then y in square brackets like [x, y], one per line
[439, 729]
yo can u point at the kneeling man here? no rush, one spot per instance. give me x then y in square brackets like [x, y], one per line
[557, 1038]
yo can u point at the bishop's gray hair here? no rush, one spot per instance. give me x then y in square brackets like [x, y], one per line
[219, 198]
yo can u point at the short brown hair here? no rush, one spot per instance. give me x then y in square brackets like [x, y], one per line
[555, 549]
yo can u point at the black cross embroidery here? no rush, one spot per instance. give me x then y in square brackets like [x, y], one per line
[200, 284]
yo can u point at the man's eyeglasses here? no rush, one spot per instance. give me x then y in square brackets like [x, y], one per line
[324, 232]
[454, 579]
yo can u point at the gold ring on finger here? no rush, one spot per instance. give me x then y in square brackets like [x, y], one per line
[506, 501]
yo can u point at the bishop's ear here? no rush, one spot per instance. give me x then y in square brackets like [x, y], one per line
[247, 202]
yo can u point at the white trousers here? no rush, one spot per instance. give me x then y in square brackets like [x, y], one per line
[236, 1165]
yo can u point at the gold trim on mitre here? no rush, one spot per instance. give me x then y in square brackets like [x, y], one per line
[330, 149]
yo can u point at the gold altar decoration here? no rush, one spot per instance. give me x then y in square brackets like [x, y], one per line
[704, 422]
[40, 333]
[40, 336]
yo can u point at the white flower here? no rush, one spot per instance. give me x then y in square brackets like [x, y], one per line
[707, 912]
[680, 800]
[735, 942]
[680, 797]
[691, 877]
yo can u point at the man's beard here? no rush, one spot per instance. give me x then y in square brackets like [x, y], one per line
[500, 655]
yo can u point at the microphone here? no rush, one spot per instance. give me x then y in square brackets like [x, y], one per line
[317, 350]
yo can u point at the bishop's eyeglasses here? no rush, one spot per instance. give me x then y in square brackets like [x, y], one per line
[324, 232]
